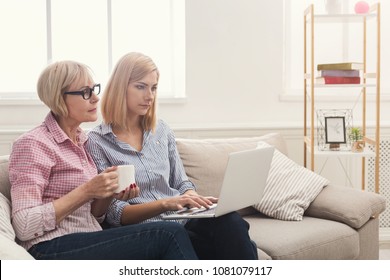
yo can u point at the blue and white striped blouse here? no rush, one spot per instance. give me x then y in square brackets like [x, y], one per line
[159, 171]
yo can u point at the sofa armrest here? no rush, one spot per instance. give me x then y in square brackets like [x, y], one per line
[5, 185]
[349, 206]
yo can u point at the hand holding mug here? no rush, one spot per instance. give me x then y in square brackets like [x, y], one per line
[128, 193]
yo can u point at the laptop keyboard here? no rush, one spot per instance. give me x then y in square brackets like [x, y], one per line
[202, 210]
[206, 211]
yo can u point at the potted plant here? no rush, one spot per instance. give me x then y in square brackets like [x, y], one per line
[356, 137]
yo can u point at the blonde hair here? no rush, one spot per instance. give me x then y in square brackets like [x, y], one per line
[130, 68]
[56, 79]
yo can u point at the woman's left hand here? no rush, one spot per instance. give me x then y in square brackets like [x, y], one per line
[129, 193]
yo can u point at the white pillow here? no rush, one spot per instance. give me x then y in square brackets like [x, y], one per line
[10, 250]
[290, 188]
[6, 228]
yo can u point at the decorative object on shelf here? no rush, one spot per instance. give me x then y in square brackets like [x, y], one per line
[341, 66]
[328, 80]
[335, 130]
[339, 73]
[332, 125]
[356, 137]
[362, 7]
[333, 6]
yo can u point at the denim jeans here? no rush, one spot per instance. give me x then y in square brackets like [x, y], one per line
[222, 238]
[159, 240]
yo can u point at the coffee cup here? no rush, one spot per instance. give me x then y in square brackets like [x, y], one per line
[126, 177]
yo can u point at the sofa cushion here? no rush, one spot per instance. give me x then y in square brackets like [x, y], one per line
[6, 228]
[290, 188]
[5, 185]
[10, 250]
[205, 160]
[309, 239]
[339, 203]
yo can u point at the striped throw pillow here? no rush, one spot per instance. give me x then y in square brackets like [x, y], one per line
[290, 188]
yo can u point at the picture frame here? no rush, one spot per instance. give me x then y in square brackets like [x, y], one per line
[335, 130]
[327, 138]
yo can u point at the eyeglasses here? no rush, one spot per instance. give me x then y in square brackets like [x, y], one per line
[86, 93]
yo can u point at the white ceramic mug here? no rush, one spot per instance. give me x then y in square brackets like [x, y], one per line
[333, 6]
[126, 174]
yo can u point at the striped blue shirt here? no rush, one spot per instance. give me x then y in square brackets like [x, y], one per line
[159, 171]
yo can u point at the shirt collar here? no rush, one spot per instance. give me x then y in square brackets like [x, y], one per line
[106, 129]
[58, 134]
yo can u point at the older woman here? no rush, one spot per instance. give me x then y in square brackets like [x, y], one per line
[58, 199]
[131, 134]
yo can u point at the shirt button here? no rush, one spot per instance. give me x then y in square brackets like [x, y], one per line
[36, 234]
[158, 142]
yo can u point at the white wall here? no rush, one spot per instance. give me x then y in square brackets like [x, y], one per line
[234, 68]
[234, 65]
[234, 74]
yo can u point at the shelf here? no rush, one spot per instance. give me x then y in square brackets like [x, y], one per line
[342, 85]
[367, 76]
[342, 153]
[342, 18]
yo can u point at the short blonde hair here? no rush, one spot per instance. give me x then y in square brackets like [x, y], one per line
[55, 79]
[130, 68]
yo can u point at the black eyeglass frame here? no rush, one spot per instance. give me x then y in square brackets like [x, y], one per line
[86, 93]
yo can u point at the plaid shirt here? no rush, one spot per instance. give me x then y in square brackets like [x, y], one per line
[44, 166]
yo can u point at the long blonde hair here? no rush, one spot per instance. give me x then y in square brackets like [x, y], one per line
[130, 68]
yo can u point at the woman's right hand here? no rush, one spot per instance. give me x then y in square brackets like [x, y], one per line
[189, 201]
[102, 185]
[128, 193]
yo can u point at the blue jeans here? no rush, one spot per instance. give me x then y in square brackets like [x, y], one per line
[160, 240]
[222, 238]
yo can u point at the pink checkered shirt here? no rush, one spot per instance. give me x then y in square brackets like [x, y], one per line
[45, 165]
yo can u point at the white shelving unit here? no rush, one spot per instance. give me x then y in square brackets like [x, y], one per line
[369, 80]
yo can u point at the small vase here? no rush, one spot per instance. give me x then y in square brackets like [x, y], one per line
[333, 6]
[357, 146]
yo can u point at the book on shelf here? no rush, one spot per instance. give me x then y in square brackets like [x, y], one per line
[341, 66]
[340, 73]
[328, 80]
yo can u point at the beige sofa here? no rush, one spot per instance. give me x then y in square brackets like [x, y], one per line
[341, 223]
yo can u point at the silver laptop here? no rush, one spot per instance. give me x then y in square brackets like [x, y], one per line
[243, 185]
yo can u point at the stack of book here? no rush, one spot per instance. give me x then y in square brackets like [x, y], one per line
[339, 73]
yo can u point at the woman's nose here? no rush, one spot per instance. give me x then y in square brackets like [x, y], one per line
[150, 94]
[95, 98]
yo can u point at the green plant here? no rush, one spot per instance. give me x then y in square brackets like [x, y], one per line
[355, 134]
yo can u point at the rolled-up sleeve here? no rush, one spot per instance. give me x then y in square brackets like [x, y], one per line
[115, 211]
[34, 222]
